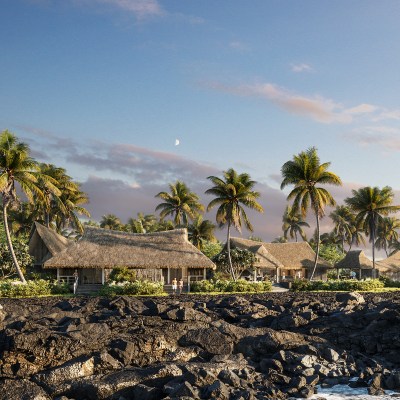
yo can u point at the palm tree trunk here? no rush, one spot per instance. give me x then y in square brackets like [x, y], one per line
[373, 247]
[317, 250]
[10, 246]
[228, 248]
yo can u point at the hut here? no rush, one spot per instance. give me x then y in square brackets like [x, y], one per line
[45, 243]
[266, 264]
[390, 267]
[358, 262]
[287, 261]
[158, 256]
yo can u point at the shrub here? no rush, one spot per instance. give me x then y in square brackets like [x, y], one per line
[138, 288]
[38, 287]
[224, 286]
[389, 282]
[337, 285]
[123, 274]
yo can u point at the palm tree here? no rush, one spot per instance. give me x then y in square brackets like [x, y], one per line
[181, 203]
[343, 220]
[200, 231]
[280, 239]
[371, 204]
[386, 233]
[143, 223]
[110, 221]
[305, 172]
[293, 224]
[16, 166]
[231, 192]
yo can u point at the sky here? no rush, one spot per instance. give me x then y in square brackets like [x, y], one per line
[105, 88]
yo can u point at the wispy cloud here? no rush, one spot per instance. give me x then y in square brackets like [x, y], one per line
[385, 137]
[301, 67]
[141, 8]
[316, 107]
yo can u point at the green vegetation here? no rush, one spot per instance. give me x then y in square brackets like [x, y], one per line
[293, 224]
[123, 274]
[337, 285]
[305, 172]
[181, 203]
[225, 286]
[232, 193]
[241, 259]
[39, 287]
[371, 204]
[135, 288]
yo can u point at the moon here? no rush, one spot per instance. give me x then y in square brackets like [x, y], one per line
[177, 142]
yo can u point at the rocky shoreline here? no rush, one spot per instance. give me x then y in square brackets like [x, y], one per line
[236, 347]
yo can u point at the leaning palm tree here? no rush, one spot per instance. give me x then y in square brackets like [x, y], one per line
[386, 233]
[232, 192]
[371, 204]
[342, 218]
[305, 172]
[16, 166]
[201, 231]
[293, 224]
[181, 203]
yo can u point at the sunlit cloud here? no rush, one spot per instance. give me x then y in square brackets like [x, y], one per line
[301, 67]
[315, 107]
[362, 109]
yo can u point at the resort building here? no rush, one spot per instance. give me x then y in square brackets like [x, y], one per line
[283, 262]
[159, 256]
[357, 262]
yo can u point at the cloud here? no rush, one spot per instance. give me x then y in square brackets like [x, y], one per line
[301, 68]
[316, 107]
[386, 137]
[141, 8]
[362, 109]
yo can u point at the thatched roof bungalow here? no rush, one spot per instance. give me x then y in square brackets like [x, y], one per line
[284, 261]
[357, 261]
[160, 255]
[390, 266]
[45, 243]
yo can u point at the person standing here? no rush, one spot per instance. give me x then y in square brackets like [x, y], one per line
[174, 285]
[180, 286]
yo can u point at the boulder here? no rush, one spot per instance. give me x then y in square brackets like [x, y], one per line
[21, 389]
[352, 298]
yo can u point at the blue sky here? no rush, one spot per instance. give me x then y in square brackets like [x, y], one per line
[105, 87]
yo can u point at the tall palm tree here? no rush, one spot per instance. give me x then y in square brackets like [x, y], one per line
[181, 203]
[293, 224]
[343, 220]
[110, 221]
[232, 192]
[386, 233]
[305, 172]
[200, 231]
[16, 166]
[371, 204]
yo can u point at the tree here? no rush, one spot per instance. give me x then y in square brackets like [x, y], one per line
[232, 192]
[293, 224]
[280, 239]
[200, 231]
[181, 204]
[143, 223]
[343, 220]
[371, 204]
[305, 172]
[16, 166]
[386, 233]
[110, 221]
[238, 259]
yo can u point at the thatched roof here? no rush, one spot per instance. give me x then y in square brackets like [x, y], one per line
[264, 258]
[293, 255]
[355, 259]
[54, 242]
[390, 264]
[103, 248]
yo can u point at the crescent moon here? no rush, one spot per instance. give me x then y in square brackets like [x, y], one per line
[177, 142]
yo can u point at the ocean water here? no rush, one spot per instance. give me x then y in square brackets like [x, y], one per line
[339, 392]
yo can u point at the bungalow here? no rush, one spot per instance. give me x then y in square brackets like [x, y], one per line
[390, 267]
[158, 256]
[358, 262]
[284, 262]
